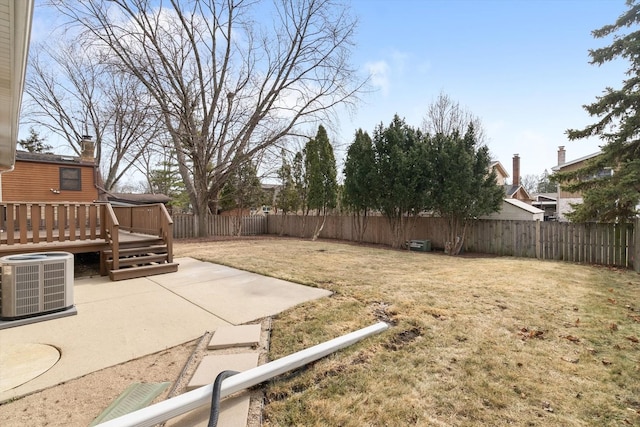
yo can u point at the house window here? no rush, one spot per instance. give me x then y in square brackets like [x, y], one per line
[70, 179]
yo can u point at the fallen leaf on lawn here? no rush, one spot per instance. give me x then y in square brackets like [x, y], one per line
[591, 350]
[613, 327]
[633, 339]
[570, 360]
[611, 300]
[571, 338]
[634, 317]
[577, 321]
[536, 334]
[606, 362]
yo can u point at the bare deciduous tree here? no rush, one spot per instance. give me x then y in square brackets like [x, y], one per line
[228, 85]
[446, 116]
[71, 93]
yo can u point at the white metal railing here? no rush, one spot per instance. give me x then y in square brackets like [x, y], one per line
[164, 411]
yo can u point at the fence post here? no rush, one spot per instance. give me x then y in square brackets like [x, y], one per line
[636, 245]
[538, 240]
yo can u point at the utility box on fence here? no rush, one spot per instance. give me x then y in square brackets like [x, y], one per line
[420, 245]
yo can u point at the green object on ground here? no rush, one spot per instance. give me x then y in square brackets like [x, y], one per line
[136, 396]
[420, 245]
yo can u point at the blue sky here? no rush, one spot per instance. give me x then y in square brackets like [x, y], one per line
[521, 66]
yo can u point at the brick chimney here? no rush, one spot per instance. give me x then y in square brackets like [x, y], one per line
[87, 148]
[562, 155]
[516, 170]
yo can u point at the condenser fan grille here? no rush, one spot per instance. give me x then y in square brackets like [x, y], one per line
[36, 283]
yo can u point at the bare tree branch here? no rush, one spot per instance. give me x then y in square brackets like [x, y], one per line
[228, 85]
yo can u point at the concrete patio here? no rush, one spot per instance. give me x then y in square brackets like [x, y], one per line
[121, 321]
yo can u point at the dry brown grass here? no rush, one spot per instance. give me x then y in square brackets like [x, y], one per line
[475, 341]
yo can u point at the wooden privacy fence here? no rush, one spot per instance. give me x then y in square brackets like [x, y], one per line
[218, 225]
[604, 244]
[592, 243]
[343, 228]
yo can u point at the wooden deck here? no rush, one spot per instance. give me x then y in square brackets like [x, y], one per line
[74, 246]
[133, 241]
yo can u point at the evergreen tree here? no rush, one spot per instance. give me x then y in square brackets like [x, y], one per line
[301, 186]
[613, 196]
[242, 190]
[545, 184]
[402, 176]
[165, 179]
[321, 173]
[359, 193]
[288, 199]
[34, 143]
[462, 187]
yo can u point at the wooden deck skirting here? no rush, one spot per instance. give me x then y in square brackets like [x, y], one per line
[27, 227]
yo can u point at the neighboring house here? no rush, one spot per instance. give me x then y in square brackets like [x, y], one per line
[548, 203]
[514, 209]
[128, 199]
[517, 202]
[514, 190]
[41, 177]
[565, 198]
[501, 172]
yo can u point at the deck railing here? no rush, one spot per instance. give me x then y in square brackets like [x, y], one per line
[111, 233]
[33, 222]
[152, 220]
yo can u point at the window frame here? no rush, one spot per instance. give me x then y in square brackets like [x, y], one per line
[70, 184]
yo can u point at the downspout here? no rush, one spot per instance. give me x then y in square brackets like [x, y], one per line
[164, 411]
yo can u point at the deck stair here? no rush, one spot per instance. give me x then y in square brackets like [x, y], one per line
[138, 258]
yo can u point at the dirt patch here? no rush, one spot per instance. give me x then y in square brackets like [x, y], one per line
[78, 402]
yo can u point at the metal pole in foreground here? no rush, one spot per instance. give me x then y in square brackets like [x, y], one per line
[163, 411]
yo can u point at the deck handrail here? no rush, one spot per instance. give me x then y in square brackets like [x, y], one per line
[166, 230]
[36, 222]
[111, 233]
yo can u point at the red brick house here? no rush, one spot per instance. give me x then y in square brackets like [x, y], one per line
[41, 177]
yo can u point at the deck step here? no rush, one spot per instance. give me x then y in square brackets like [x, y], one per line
[138, 250]
[138, 260]
[137, 243]
[143, 271]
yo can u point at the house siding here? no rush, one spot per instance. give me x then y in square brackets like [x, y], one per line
[33, 182]
[564, 207]
[566, 194]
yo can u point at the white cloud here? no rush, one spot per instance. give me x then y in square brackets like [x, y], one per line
[379, 72]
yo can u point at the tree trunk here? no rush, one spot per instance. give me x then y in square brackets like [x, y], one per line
[319, 226]
[457, 231]
[237, 224]
[360, 225]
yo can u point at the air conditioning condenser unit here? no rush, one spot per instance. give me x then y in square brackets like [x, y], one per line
[35, 284]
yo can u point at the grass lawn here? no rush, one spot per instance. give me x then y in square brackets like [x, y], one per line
[475, 341]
